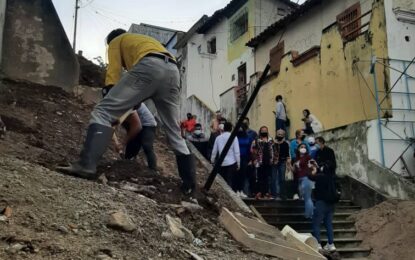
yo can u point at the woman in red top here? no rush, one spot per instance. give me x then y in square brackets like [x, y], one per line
[302, 168]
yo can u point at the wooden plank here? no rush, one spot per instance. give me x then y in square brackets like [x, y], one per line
[257, 214]
[234, 227]
[300, 245]
[263, 227]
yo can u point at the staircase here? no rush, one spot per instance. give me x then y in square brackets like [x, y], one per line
[291, 212]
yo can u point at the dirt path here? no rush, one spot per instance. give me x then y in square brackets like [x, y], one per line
[60, 217]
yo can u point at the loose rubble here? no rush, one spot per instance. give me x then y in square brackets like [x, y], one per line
[55, 216]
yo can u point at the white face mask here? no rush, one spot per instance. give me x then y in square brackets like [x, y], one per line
[303, 150]
[198, 132]
[221, 126]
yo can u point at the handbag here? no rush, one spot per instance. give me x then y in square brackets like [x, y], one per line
[287, 121]
[289, 176]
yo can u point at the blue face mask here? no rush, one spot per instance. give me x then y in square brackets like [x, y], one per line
[317, 146]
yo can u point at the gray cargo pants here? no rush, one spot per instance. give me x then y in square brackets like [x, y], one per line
[151, 78]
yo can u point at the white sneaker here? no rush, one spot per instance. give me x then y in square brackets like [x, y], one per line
[330, 247]
[243, 195]
[319, 247]
[238, 194]
[296, 197]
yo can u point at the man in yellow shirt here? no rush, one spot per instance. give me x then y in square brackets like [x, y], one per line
[151, 73]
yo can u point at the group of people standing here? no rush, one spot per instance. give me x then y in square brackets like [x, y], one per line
[262, 166]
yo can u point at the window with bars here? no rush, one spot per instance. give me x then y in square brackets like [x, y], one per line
[275, 56]
[349, 22]
[239, 26]
[211, 46]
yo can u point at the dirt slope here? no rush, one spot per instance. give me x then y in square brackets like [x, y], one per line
[389, 229]
[60, 217]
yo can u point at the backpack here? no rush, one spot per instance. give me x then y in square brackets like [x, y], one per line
[287, 121]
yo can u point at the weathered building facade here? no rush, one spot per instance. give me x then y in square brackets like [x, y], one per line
[348, 62]
[216, 65]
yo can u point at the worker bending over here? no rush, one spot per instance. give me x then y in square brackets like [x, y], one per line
[151, 73]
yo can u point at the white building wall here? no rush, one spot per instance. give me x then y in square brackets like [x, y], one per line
[401, 50]
[308, 29]
[207, 74]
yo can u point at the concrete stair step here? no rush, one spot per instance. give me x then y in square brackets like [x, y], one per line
[338, 233]
[356, 258]
[344, 242]
[281, 217]
[356, 252]
[288, 202]
[299, 209]
[307, 224]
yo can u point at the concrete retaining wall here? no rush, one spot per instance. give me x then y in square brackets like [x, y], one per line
[350, 146]
[203, 113]
[35, 46]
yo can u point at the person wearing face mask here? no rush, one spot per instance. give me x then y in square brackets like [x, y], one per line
[251, 133]
[302, 168]
[241, 178]
[281, 160]
[188, 125]
[313, 147]
[213, 135]
[299, 139]
[214, 124]
[199, 140]
[232, 161]
[262, 158]
[325, 194]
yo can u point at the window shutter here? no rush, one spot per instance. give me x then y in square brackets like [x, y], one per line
[275, 56]
[349, 22]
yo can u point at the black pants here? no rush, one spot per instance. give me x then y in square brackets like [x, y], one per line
[241, 176]
[228, 173]
[264, 174]
[143, 139]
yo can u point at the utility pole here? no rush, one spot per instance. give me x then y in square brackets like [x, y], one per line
[76, 23]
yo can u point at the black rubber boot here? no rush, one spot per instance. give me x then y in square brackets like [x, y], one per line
[187, 170]
[97, 140]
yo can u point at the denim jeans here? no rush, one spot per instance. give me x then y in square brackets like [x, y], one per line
[280, 124]
[323, 212]
[305, 188]
[278, 180]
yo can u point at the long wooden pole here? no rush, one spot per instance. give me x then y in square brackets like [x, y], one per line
[228, 144]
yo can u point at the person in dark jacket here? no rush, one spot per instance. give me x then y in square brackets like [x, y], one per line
[245, 142]
[262, 153]
[324, 174]
[281, 160]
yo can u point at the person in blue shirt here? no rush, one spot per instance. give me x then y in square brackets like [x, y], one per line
[299, 139]
[251, 133]
[241, 177]
[313, 147]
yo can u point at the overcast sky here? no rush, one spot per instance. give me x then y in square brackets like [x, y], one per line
[96, 18]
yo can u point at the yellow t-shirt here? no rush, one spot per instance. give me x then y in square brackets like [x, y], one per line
[127, 50]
